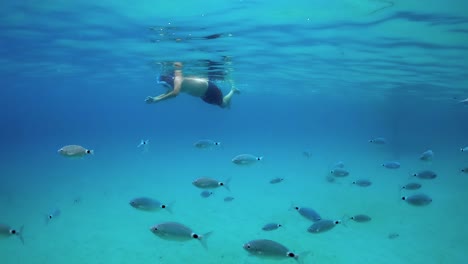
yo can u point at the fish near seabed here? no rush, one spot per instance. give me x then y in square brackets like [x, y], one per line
[246, 159]
[322, 225]
[417, 199]
[209, 183]
[149, 204]
[269, 249]
[178, 232]
[271, 226]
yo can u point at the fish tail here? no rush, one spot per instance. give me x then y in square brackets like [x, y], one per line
[169, 207]
[20, 234]
[300, 258]
[345, 219]
[203, 239]
[227, 184]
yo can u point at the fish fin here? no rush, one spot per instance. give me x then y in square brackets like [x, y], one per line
[345, 219]
[203, 239]
[300, 258]
[227, 184]
[169, 207]
[20, 234]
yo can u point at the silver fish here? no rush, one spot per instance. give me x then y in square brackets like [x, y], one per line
[74, 151]
[246, 159]
[206, 143]
[362, 183]
[269, 249]
[276, 180]
[143, 143]
[322, 226]
[308, 213]
[411, 186]
[209, 183]
[360, 218]
[7, 231]
[339, 164]
[391, 165]
[417, 199]
[427, 155]
[178, 232]
[206, 194]
[339, 172]
[378, 141]
[425, 174]
[464, 170]
[228, 199]
[148, 204]
[52, 215]
[271, 226]
[465, 149]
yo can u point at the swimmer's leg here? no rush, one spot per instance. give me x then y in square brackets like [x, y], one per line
[227, 98]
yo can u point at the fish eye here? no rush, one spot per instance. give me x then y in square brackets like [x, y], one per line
[415, 174]
[50, 216]
[248, 245]
[403, 198]
[337, 222]
[13, 232]
[163, 206]
[290, 254]
[297, 208]
[221, 184]
[195, 236]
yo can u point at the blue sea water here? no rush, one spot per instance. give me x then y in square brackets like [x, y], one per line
[321, 76]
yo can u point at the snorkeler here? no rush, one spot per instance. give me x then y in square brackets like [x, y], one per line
[198, 87]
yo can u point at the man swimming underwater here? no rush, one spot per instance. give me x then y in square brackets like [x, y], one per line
[198, 87]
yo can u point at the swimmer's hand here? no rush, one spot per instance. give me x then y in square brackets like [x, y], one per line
[150, 100]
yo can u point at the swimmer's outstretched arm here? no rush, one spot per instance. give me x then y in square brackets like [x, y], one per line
[171, 94]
